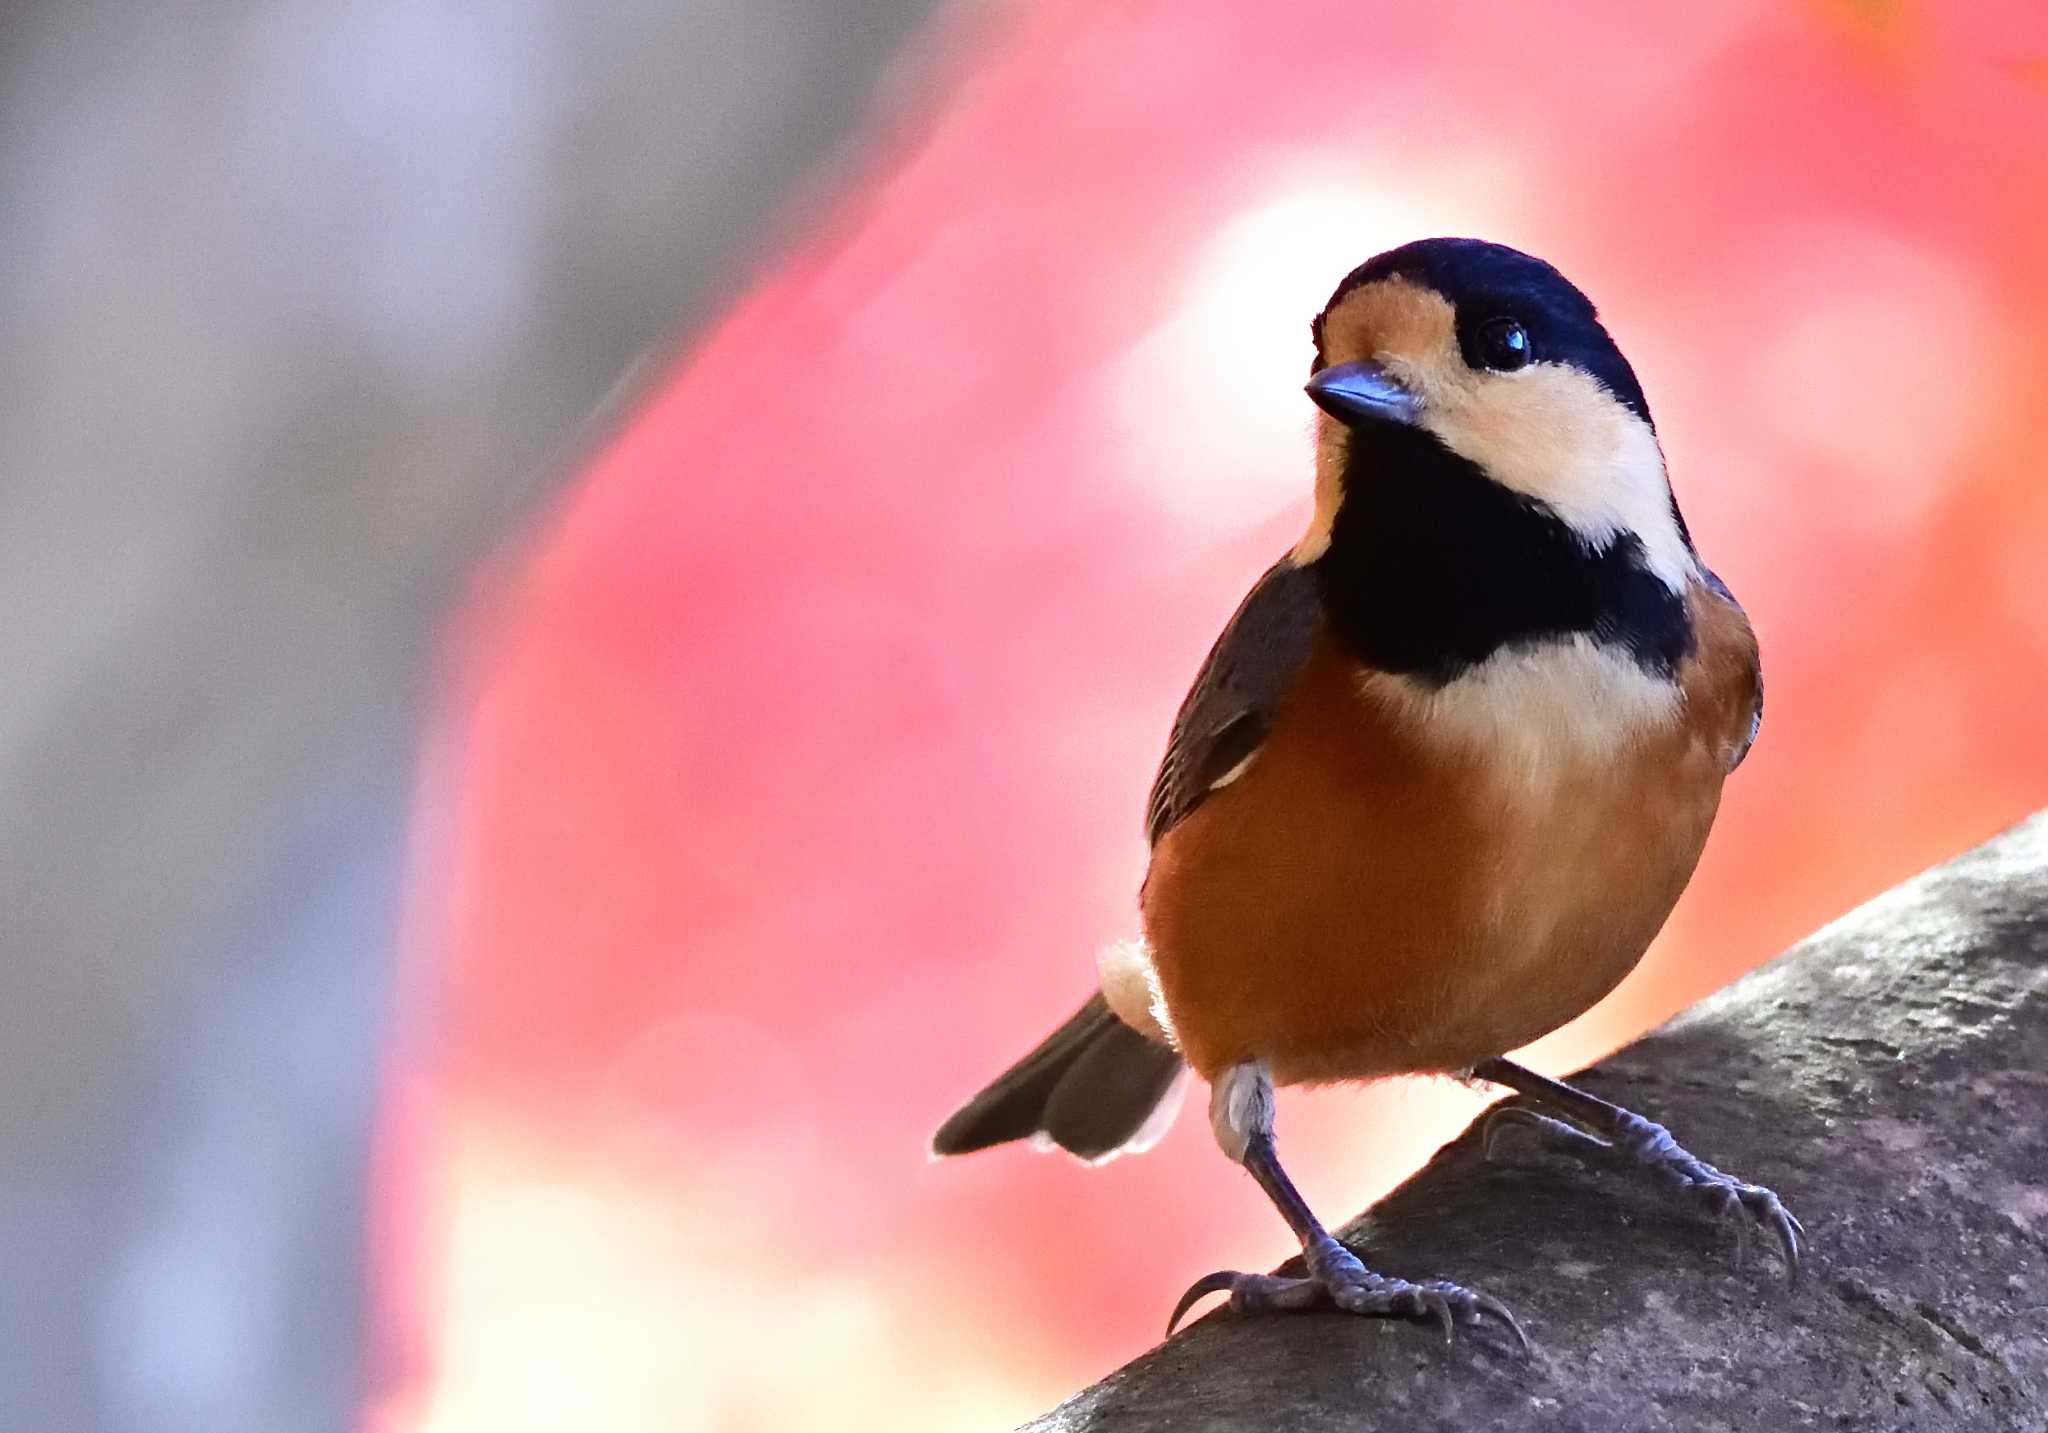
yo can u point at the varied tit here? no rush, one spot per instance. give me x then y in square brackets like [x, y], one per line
[1443, 775]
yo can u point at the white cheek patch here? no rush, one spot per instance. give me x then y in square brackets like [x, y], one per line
[1554, 433]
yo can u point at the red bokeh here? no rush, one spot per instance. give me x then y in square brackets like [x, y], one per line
[787, 782]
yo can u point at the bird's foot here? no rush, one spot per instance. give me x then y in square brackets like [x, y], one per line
[1629, 1136]
[1336, 1279]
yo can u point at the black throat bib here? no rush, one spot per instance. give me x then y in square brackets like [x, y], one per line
[1433, 567]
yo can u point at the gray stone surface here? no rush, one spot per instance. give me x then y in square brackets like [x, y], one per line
[1888, 1076]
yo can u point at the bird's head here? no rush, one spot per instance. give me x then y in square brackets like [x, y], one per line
[1454, 358]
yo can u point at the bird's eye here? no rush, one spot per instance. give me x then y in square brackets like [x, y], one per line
[1503, 345]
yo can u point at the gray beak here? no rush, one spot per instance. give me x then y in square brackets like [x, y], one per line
[1360, 393]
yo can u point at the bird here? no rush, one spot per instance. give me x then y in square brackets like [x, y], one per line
[1439, 781]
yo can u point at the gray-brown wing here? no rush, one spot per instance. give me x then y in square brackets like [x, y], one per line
[1230, 708]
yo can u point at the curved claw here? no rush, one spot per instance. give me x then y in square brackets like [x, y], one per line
[1436, 1306]
[1645, 1142]
[1729, 1209]
[1765, 1208]
[1506, 1315]
[1222, 1281]
[1750, 1205]
[1470, 1306]
[1792, 1234]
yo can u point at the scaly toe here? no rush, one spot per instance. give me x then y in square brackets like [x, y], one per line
[1647, 1143]
[1357, 1289]
[1337, 1279]
[1748, 1206]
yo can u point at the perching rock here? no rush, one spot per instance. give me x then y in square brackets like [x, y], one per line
[1888, 1076]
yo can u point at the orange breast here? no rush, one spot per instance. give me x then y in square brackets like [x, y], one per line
[1385, 890]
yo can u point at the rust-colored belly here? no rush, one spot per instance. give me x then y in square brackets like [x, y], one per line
[1372, 897]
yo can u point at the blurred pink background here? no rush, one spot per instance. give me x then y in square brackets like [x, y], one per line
[787, 778]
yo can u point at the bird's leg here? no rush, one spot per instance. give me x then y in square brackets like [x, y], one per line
[1592, 1122]
[1241, 1112]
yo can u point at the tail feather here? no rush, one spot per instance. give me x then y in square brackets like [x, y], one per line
[1092, 1087]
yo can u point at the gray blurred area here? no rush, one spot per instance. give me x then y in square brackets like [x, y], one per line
[301, 307]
